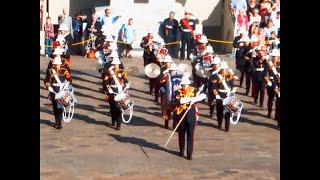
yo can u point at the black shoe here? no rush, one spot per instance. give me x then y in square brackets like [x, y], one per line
[166, 124]
[181, 153]
[219, 126]
[256, 101]
[189, 158]
[118, 128]
[269, 115]
[181, 59]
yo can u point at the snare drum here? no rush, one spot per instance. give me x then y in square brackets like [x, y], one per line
[66, 97]
[232, 104]
[163, 51]
[123, 101]
[206, 61]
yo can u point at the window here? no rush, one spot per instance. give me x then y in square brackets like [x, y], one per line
[141, 1]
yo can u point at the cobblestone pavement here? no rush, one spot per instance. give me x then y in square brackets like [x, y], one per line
[89, 148]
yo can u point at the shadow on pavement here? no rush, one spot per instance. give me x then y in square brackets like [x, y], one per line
[76, 86]
[142, 143]
[139, 121]
[139, 97]
[209, 125]
[245, 120]
[89, 120]
[134, 89]
[141, 76]
[77, 93]
[83, 73]
[86, 80]
[46, 122]
[144, 110]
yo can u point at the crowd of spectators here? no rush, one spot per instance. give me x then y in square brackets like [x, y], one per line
[258, 19]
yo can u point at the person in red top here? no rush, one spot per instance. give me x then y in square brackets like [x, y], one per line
[187, 27]
[49, 34]
[243, 21]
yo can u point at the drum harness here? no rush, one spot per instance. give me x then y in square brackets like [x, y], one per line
[230, 94]
[62, 86]
[119, 86]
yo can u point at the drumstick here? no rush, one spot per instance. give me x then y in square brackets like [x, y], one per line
[198, 93]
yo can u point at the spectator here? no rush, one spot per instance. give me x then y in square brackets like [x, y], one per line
[276, 21]
[255, 20]
[255, 35]
[94, 29]
[243, 21]
[49, 35]
[240, 34]
[252, 6]
[170, 27]
[269, 29]
[238, 5]
[276, 3]
[265, 8]
[273, 41]
[64, 18]
[128, 35]
[109, 23]
[77, 33]
[261, 36]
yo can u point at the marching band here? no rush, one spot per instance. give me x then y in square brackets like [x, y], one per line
[213, 80]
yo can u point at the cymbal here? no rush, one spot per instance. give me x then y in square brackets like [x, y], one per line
[152, 70]
[184, 69]
[132, 70]
[201, 71]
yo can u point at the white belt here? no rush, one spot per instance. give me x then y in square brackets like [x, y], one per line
[222, 90]
[271, 77]
[114, 86]
[55, 84]
[186, 30]
[259, 69]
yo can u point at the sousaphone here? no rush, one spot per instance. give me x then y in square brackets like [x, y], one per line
[152, 70]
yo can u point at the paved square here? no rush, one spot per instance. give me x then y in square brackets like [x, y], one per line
[88, 148]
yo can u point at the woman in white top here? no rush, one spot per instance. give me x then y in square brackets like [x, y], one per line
[255, 20]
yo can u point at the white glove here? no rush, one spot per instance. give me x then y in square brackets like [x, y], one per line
[269, 84]
[128, 85]
[170, 27]
[165, 71]
[234, 90]
[111, 71]
[50, 89]
[110, 91]
[218, 97]
[185, 100]
[201, 97]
